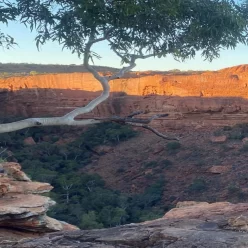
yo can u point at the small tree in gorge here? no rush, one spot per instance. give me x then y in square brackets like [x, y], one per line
[134, 29]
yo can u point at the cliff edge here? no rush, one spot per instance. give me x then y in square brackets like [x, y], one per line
[190, 225]
[216, 98]
[22, 208]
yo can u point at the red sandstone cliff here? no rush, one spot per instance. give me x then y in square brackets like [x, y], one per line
[216, 97]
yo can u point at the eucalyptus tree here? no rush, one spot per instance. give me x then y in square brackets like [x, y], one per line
[133, 29]
[8, 12]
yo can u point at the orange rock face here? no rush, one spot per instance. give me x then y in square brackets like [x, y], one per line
[216, 98]
[21, 206]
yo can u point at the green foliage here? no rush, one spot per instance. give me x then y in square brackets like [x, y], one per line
[233, 189]
[151, 164]
[120, 170]
[158, 165]
[147, 215]
[200, 162]
[8, 12]
[245, 147]
[105, 133]
[207, 26]
[172, 146]
[89, 221]
[198, 185]
[165, 163]
[237, 132]
[2, 160]
[33, 73]
[82, 199]
[236, 135]
[227, 128]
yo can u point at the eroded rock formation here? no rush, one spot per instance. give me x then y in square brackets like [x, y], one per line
[190, 225]
[22, 208]
[216, 98]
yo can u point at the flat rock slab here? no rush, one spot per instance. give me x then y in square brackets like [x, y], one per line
[155, 234]
[190, 225]
[21, 204]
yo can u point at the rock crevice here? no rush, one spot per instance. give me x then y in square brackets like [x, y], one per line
[190, 225]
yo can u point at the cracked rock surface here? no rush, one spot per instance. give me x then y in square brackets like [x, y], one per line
[22, 209]
[190, 225]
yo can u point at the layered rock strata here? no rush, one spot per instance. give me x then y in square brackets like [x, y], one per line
[190, 225]
[200, 99]
[22, 209]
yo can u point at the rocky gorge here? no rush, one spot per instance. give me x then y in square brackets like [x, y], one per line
[197, 104]
[24, 223]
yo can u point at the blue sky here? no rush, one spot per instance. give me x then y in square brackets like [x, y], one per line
[51, 53]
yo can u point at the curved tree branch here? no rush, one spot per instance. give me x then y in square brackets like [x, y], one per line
[69, 118]
[139, 122]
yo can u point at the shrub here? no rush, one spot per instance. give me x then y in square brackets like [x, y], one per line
[198, 185]
[239, 131]
[233, 189]
[33, 73]
[151, 164]
[227, 128]
[2, 160]
[121, 170]
[165, 163]
[173, 145]
[200, 162]
[245, 147]
[236, 135]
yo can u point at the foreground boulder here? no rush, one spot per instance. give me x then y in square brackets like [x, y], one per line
[190, 225]
[22, 209]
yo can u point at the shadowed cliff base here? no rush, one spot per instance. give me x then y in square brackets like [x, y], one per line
[216, 98]
[193, 111]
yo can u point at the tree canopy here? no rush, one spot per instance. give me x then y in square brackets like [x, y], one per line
[156, 27]
[134, 29]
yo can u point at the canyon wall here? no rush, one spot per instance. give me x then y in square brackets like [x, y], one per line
[209, 98]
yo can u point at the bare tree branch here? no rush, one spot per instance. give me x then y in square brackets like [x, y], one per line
[160, 134]
[136, 113]
[131, 61]
[138, 122]
[103, 80]
[123, 70]
[69, 119]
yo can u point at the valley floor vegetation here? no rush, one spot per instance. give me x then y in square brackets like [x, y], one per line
[82, 199]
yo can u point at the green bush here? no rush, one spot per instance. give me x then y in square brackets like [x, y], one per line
[82, 199]
[233, 189]
[174, 145]
[198, 185]
[227, 128]
[245, 147]
[121, 170]
[2, 160]
[200, 162]
[236, 135]
[238, 131]
[151, 164]
[165, 163]
[33, 73]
